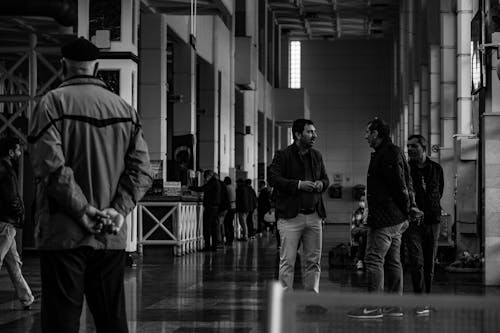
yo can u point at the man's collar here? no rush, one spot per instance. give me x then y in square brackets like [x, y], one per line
[83, 79]
[297, 148]
[384, 143]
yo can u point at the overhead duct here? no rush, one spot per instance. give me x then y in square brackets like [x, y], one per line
[65, 12]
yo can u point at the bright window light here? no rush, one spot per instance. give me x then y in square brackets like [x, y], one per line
[294, 70]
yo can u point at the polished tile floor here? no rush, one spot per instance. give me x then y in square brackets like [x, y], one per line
[226, 291]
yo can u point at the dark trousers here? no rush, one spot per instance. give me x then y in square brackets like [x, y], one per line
[210, 218]
[251, 230]
[383, 259]
[422, 243]
[359, 235]
[67, 275]
[229, 225]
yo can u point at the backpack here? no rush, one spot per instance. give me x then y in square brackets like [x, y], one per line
[224, 198]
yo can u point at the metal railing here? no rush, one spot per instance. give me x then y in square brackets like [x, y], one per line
[186, 232]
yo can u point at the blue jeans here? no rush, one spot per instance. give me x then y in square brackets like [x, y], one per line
[9, 255]
[422, 243]
[305, 229]
[383, 260]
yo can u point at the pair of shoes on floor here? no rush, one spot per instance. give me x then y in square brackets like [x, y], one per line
[423, 310]
[359, 265]
[376, 312]
[27, 304]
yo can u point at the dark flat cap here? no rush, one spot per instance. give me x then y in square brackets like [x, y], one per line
[80, 49]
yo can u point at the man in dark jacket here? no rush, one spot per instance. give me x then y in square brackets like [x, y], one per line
[390, 203]
[298, 175]
[422, 238]
[11, 216]
[211, 201]
[242, 208]
[263, 205]
[252, 204]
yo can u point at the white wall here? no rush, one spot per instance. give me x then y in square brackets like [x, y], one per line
[348, 84]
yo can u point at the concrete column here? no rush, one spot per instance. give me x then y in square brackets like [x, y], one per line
[416, 107]
[411, 114]
[403, 68]
[435, 100]
[424, 102]
[491, 171]
[467, 196]
[464, 99]
[208, 127]
[448, 104]
[153, 85]
[184, 73]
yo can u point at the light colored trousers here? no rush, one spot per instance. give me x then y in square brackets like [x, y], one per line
[242, 219]
[305, 228]
[9, 255]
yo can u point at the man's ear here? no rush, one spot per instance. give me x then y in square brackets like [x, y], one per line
[96, 68]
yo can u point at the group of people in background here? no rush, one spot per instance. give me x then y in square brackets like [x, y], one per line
[222, 202]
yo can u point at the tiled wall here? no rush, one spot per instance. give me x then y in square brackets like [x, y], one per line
[349, 82]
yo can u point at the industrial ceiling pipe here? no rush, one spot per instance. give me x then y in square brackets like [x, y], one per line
[65, 12]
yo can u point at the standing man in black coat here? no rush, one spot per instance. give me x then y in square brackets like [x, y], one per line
[390, 206]
[211, 200]
[298, 175]
[422, 238]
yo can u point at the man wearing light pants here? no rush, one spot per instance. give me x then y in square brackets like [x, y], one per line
[298, 175]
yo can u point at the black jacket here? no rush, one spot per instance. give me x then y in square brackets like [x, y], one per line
[211, 192]
[285, 172]
[428, 183]
[11, 204]
[242, 199]
[389, 187]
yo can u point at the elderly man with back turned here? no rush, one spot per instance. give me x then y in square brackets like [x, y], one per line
[91, 167]
[298, 175]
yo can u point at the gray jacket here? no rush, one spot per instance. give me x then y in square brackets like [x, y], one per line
[86, 147]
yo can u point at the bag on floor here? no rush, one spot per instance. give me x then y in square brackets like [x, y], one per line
[269, 217]
[339, 256]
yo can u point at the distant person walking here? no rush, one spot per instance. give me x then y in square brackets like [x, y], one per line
[12, 217]
[229, 218]
[211, 201]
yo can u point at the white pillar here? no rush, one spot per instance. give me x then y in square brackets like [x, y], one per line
[464, 99]
[416, 107]
[448, 104]
[435, 100]
[424, 103]
[153, 86]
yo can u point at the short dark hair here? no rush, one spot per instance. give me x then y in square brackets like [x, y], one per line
[248, 181]
[298, 126]
[227, 180]
[208, 173]
[8, 143]
[381, 127]
[420, 139]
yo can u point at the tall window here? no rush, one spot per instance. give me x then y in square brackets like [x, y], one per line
[294, 68]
